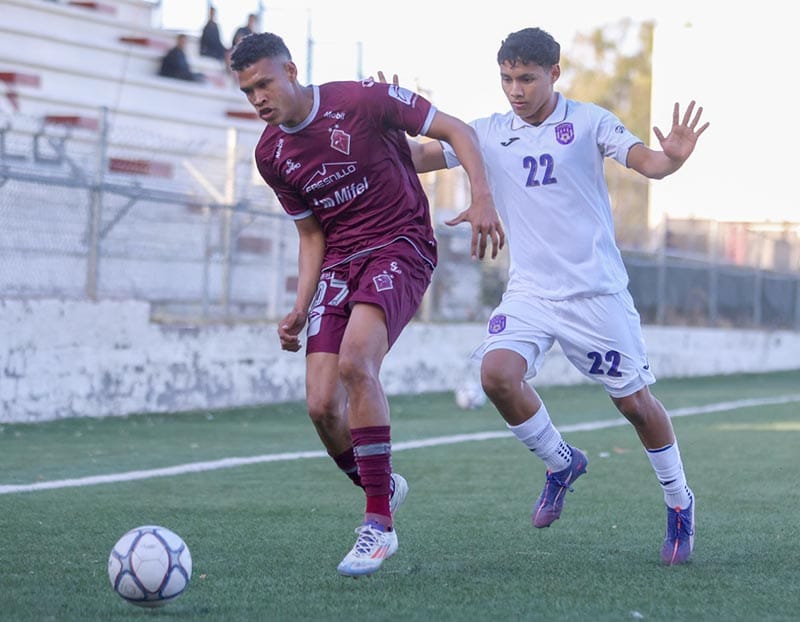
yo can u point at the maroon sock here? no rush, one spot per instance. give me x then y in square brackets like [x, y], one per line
[373, 452]
[346, 461]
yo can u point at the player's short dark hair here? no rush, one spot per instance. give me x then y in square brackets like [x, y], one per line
[256, 46]
[529, 45]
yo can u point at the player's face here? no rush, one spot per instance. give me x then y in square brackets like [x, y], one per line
[529, 89]
[271, 87]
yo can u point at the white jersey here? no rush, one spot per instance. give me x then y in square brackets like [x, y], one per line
[550, 191]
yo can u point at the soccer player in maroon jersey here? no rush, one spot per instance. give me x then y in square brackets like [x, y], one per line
[337, 158]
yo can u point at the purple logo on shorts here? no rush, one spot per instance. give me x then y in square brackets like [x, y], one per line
[497, 324]
[565, 133]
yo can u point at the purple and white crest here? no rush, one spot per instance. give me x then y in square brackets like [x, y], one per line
[565, 133]
[497, 324]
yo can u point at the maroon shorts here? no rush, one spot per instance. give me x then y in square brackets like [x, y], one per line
[393, 278]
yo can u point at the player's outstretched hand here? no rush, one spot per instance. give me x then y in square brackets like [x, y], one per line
[289, 330]
[679, 144]
[486, 227]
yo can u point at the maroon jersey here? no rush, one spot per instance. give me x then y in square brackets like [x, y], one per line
[348, 164]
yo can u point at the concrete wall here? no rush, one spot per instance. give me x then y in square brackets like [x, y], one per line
[66, 359]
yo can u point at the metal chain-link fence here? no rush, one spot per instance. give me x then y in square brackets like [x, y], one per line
[194, 231]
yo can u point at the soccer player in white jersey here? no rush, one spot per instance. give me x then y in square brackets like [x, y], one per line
[567, 282]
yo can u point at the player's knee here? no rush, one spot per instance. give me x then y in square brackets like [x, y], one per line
[638, 408]
[323, 409]
[497, 384]
[355, 371]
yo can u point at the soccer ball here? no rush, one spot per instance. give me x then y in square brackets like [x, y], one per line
[470, 396]
[150, 566]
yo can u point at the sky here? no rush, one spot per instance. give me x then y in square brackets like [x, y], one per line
[732, 58]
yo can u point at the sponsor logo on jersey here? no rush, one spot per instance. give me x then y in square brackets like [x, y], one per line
[329, 173]
[565, 133]
[620, 129]
[402, 95]
[291, 165]
[338, 115]
[340, 140]
[506, 143]
[278, 149]
[343, 195]
[497, 324]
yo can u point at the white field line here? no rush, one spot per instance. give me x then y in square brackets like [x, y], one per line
[226, 463]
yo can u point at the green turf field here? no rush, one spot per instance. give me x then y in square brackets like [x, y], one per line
[266, 537]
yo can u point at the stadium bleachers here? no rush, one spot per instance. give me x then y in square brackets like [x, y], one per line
[79, 90]
[68, 59]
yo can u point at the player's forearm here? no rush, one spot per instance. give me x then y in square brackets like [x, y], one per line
[427, 156]
[467, 149]
[652, 164]
[310, 257]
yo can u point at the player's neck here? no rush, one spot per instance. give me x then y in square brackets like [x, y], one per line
[545, 111]
[305, 102]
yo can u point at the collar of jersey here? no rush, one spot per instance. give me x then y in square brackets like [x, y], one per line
[558, 115]
[311, 115]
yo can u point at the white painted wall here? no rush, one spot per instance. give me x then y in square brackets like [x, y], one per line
[67, 359]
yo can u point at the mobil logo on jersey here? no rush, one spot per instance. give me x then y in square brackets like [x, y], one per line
[565, 133]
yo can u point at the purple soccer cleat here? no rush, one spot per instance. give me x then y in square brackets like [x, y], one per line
[679, 540]
[550, 503]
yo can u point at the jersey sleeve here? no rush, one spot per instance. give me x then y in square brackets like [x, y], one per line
[291, 202]
[614, 139]
[401, 108]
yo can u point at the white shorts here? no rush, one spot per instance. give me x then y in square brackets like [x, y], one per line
[600, 335]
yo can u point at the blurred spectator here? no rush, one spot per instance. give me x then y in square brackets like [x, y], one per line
[175, 64]
[249, 29]
[210, 41]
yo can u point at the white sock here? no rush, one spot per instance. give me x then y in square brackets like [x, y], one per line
[669, 470]
[540, 436]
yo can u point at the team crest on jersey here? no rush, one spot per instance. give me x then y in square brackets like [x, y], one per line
[383, 282]
[497, 324]
[340, 141]
[565, 133]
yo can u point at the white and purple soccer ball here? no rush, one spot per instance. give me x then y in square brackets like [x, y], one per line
[150, 566]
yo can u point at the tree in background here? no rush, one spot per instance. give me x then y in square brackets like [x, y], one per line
[612, 67]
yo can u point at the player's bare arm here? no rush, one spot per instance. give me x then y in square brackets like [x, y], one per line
[311, 251]
[676, 146]
[428, 156]
[481, 214]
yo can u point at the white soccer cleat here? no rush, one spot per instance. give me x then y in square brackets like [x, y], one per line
[399, 492]
[371, 548]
